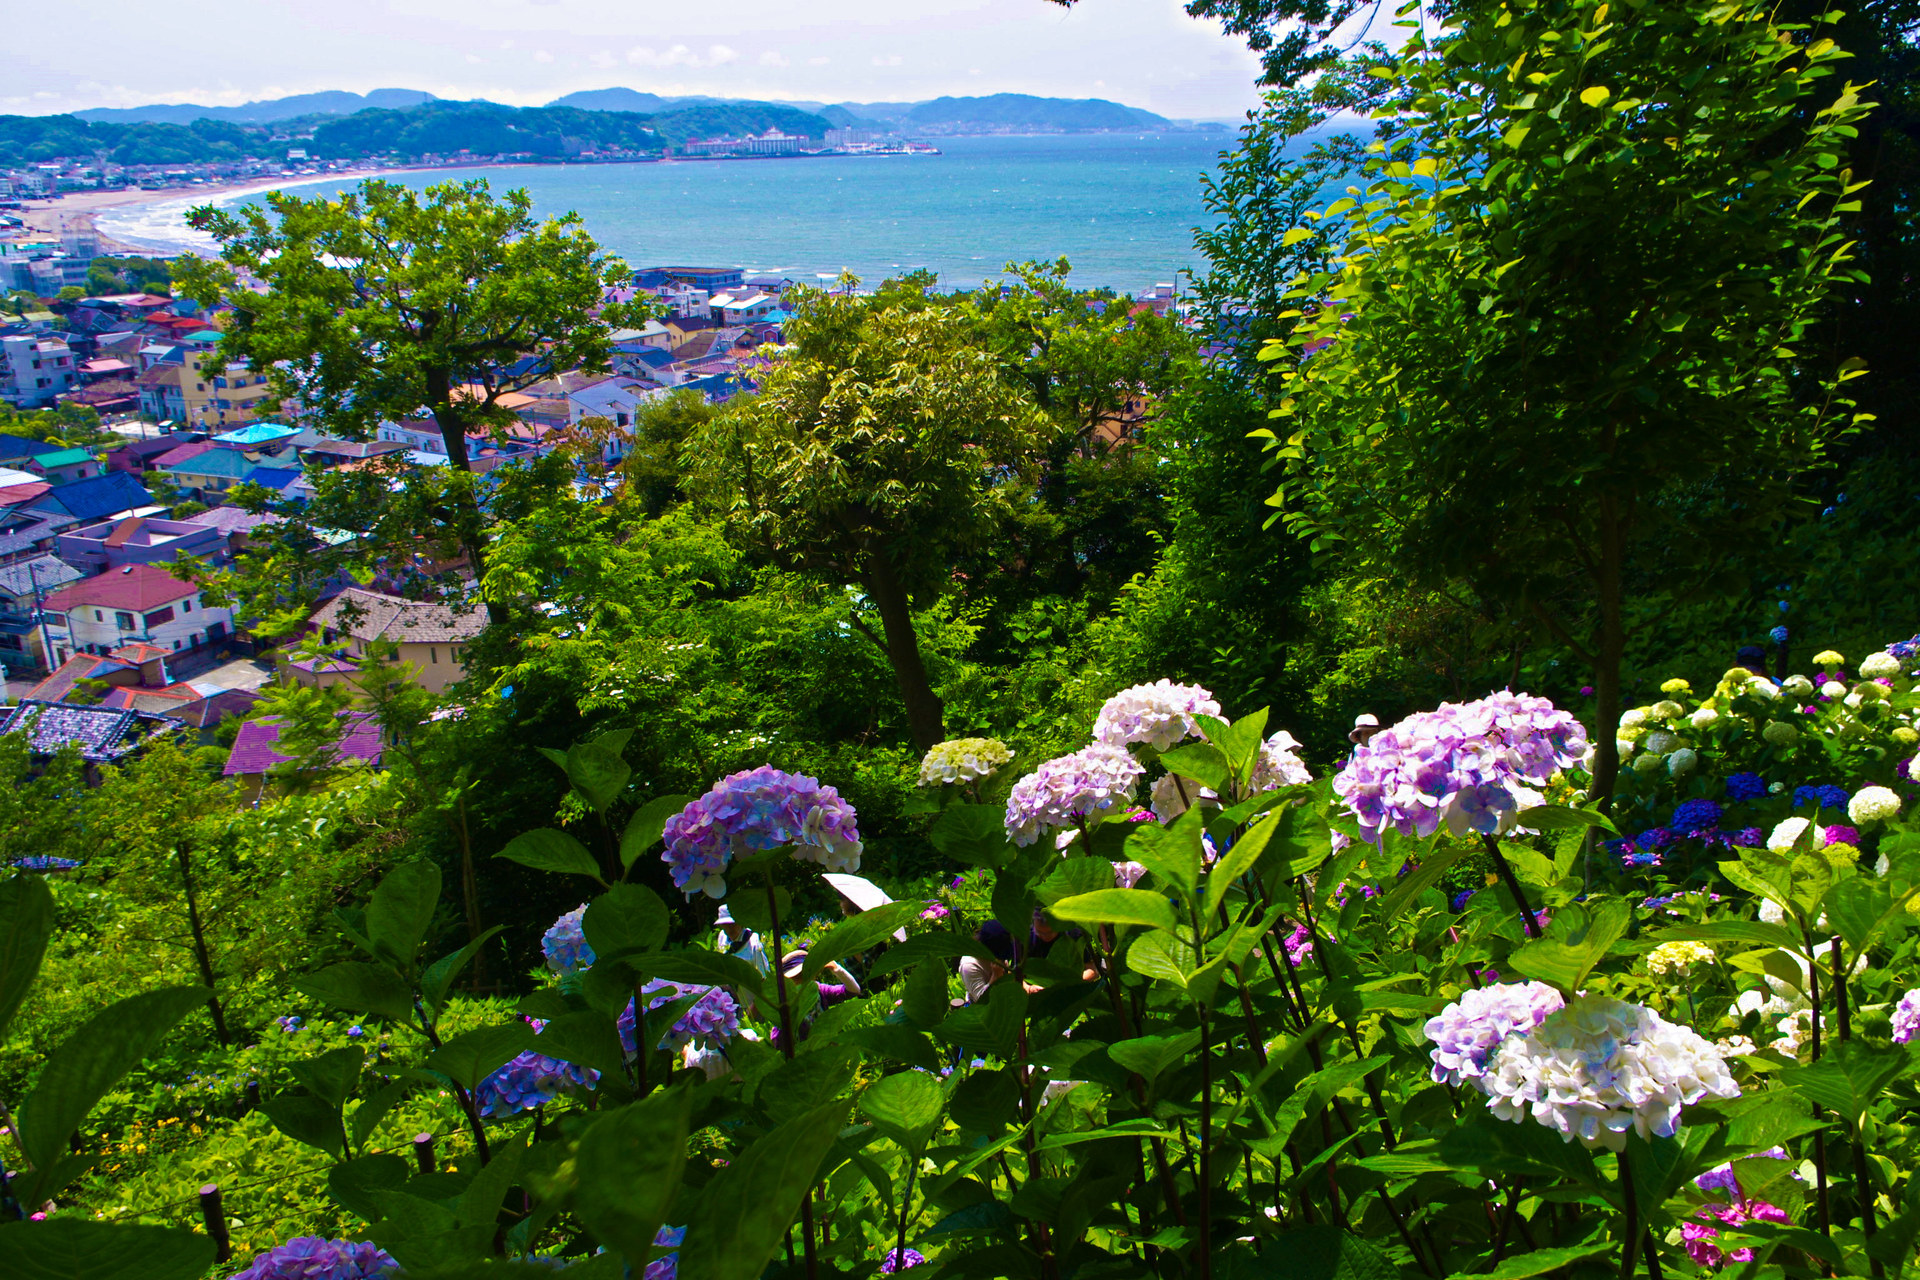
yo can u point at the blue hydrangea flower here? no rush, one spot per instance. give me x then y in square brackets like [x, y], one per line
[1746, 786]
[530, 1080]
[1460, 900]
[668, 1267]
[896, 1260]
[1693, 817]
[712, 1020]
[566, 944]
[45, 862]
[759, 809]
[1778, 635]
[316, 1258]
[1826, 796]
[1749, 838]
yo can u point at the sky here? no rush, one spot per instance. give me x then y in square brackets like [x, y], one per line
[1145, 53]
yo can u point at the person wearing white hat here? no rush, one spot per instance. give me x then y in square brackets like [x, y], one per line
[1365, 725]
[735, 939]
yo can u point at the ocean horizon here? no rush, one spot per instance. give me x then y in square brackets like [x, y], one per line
[1121, 208]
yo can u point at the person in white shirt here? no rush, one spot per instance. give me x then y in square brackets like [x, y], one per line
[735, 939]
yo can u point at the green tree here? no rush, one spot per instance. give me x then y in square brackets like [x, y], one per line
[388, 303]
[1567, 312]
[882, 445]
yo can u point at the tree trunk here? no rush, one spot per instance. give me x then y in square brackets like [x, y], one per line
[925, 714]
[469, 525]
[200, 952]
[1607, 654]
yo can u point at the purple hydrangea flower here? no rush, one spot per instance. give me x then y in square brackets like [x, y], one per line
[316, 1258]
[290, 1022]
[530, 1080]
[1749, 838]
[1695, 817]
[566, 943]
[1466, 1032]
[936, 911]
[1068, 788]
[1746, 786]
[45, 862]
[668, 1267]
[1906, 1018]
[757, 810]
[712, 1020]
[899, 1261]
[1721, 1177]
[356, 1032]
[1158, 714]
[1469, 765]
[1839, 834]
[1299, 945]
[1459, 900]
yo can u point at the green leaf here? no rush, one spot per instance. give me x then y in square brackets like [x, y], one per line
[87, 1064]
[856, 933]
[1540, 1261]
[442, 973]
[26, 923]
[472, 1056]
[361, 988]
[350, 1183]
[1577, 941]
[701, 968]
[599, 775]
[1237, 861]
[1419, 880]
[1594, 97]
[1239, 742]
[1555, 817]
[985, 1100]
[614, 740]
[1850, 1075]
[892, 1040]
[1327, 1253]
[741, 1217]
[587, 1038]
[545, 849]
[811, 1080]
[644, 828]
[1202, 763]
[1075, 876]
[1161, 956]
[974, 834]
[480, 1202]
[990, 1029]
[927, 946]
[367, 1116]
[625, 920]
[401, 909]
[313, 1121]
[1148, 1056]
[1117, 906]
[906, 1106]
[332, 1076]
[73, 1248]
[630, 1163]
[1756, 932]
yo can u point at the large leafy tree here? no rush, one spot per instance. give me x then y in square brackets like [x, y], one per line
[1565, 322]
[884, 443]
[390, 304]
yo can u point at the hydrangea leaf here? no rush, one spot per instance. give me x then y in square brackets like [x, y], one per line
[741, 1217]
[857, 933]
[26, 923]
[1117, 906]
[927, 946]
[1577, 941]
[545, 849]
[975, 834]
[906, 1106]
[440, 975]
[472, 1056]
[351, 1182]
[73, 1248]
[629, 1165]
[625, 920]
[644, 828]
[1850, 1075]
[360, 988]
[599, 775]
[401, 909]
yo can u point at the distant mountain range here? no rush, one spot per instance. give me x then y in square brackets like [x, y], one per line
[996, 113]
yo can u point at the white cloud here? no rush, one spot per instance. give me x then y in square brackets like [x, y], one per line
[541, 55]
[681, 56]
[601, 58]
[886, 60]
[818, 62]
[774, 58]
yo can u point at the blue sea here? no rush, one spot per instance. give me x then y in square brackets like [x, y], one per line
[1120, 207]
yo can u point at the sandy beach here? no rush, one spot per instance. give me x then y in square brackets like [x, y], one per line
[77, 210]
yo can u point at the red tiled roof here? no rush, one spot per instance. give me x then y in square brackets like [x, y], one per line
[63, 681]
[137, 587]
[184, 453]
[139, 652]
[15, 495]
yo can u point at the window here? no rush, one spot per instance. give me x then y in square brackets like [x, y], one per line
[55, 619]
[176, 646]
[123, 620]
[433, 657]
[99, 616]
[186, 606]
[159, 616]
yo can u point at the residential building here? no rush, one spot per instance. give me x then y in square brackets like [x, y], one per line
[64, 465]
[217, 401]
[25, 534]
[161, 400]
[140, 602]
[96, 498]
[742, 308]
[99, 548]
[255, 755]
[23, 585]
[217, 470]
[650, 334]
[258, 437]
[709, 278]
[103, 734]
[615, 399]
[35, 370]
[431, 638]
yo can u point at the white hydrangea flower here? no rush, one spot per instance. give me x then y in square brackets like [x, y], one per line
[1600, 1067]
[963, 760]
[1797, 685]
[1660, 742]
[1703, 717]
[1678, 959]
[1649, 763]
[1772, 912]
[1879, 666]
[1736, 1047]
[1667, 709]
[1873, 804]
[1913, 769]
[1158, 714]
[1623, 745]
[1763, 686]
[1683, 762]
[1829, 658]
[1834, 689]
[1633, 719]
[1780, 734]
[1172, 794]
[1786, 835]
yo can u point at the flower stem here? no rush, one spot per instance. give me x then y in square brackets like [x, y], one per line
[1206, 1146]
[1513, 885]
[1630, 1237]
[786, 1048]
[1862, 1172]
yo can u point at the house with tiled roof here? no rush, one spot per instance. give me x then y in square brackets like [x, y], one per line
[103, 734]
[139, 603]
[158, 387]
[255, 755]
[212, 473]
[96, 498]
[25, 534]
[430, 637]
[23, 584]
[135, 456]
[64, 465]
